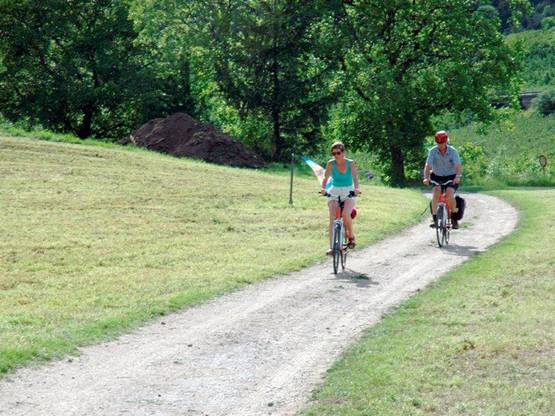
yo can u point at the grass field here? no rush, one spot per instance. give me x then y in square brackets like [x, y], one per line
[480, 342]
[96, 240]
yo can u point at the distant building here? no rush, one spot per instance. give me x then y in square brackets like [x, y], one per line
[526, 98]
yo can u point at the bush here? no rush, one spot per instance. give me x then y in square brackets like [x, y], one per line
[474, 160]
[548, 22]
[546, 103]
[488, 11]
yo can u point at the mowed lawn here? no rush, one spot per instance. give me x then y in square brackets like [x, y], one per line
[481, 342]
[97, 240]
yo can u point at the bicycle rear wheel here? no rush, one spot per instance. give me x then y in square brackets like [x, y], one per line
[336, 247]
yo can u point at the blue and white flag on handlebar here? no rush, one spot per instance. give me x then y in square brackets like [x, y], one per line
[319, 172]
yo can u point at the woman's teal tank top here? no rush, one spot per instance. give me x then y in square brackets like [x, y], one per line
[342, 179]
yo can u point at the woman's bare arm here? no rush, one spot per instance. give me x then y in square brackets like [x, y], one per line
[327, 175]
[355, 176]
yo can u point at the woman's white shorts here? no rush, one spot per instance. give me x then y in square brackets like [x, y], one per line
[340, 191]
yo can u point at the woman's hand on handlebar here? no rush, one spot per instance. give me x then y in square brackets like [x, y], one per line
[426, 181]
[357, 192]
[323, 192]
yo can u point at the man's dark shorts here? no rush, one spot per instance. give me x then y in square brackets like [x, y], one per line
[443, 179]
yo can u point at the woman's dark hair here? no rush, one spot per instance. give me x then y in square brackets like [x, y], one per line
[338, 145]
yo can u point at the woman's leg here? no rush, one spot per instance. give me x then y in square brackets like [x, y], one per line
[349, 205]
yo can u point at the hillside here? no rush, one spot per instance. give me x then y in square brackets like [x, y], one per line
[507, 153]
[541, 14]
[96, 240]
[538, 58]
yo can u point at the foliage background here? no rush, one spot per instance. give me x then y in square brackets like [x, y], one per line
[101, 68]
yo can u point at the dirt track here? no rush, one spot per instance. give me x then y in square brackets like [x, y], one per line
[257, 351]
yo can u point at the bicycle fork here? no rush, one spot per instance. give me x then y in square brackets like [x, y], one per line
[338, 228]
[441, 214]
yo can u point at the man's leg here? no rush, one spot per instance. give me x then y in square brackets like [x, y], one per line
[450, 193]
[436, 192]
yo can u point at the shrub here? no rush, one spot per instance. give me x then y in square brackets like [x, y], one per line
[548, 22]
[488, 11]
[546, 103]
[473, 159]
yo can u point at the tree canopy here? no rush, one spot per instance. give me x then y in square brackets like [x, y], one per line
[406, 61]
[280, 74]
[74, 66]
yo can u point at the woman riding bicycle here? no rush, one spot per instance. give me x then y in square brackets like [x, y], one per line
[345, 180]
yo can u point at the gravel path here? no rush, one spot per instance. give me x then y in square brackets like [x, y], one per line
[257, 351]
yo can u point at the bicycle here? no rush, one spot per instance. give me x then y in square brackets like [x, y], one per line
[340, 245]
[443, 215]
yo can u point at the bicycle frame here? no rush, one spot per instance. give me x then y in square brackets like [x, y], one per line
[339, 246]
[443, 194]
[443, 215]
[338, 222]
[443, 200]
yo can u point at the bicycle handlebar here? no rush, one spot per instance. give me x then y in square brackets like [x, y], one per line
[351, 194]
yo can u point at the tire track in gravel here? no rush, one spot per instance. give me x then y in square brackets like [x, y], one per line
[257, 351]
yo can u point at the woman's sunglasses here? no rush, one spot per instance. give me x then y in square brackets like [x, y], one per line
[337, 153]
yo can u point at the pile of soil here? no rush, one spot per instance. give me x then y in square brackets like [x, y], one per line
[182, 135]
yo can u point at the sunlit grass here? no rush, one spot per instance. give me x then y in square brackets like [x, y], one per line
[481, 342]
[96, 240]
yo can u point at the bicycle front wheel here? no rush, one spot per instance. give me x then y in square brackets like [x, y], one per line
[444, 226]
[343, 259]
[439, 226]
[336, 247]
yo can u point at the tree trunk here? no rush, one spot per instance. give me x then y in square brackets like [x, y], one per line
[397, 165]
[85, 129]
[278, 144]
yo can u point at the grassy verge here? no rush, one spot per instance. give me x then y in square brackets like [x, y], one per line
[364, 161]
[480, 342]
[10, 129]
[96, 240]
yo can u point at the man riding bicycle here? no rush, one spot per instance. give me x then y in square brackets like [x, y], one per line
[345, 180]
[443, 165]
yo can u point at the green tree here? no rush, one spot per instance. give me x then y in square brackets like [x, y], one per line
[269, 63]
[74, 66]
[409, 60]
[529, 17]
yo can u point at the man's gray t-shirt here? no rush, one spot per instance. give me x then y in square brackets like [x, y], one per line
[443, 165]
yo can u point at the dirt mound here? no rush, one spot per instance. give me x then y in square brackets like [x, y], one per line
[182, 135]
